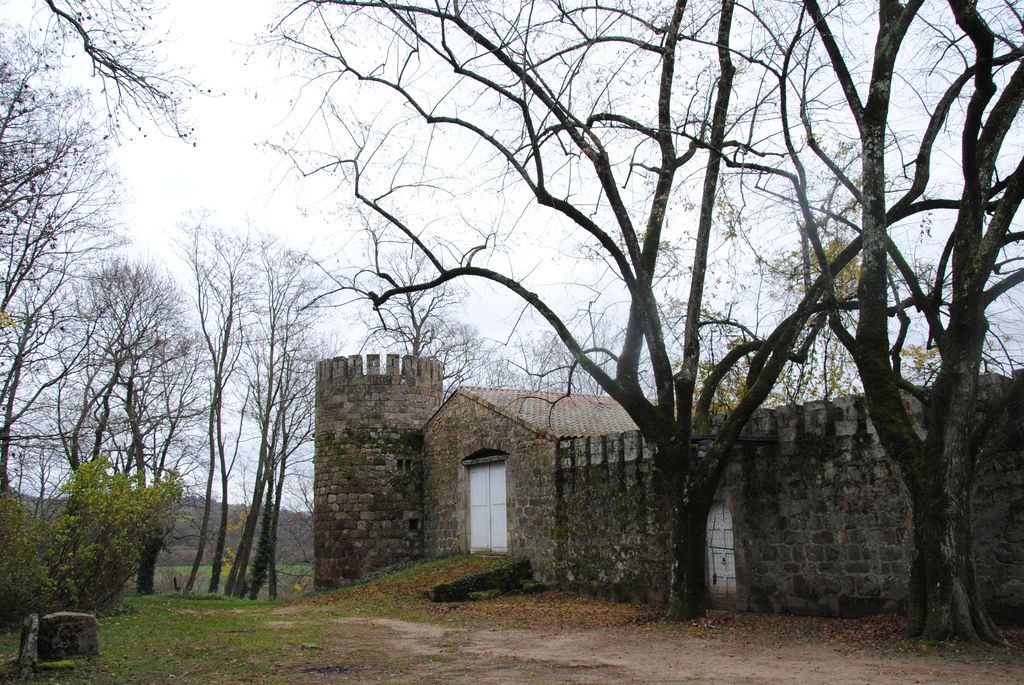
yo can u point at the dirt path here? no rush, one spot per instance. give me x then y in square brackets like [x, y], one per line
[637, 655]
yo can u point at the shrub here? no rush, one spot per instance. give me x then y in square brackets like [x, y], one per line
[24, 586]
[94, 545]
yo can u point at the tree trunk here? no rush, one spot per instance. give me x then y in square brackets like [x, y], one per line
[688, 598]
[272, 569]
[943, 600]
[265, 547]
[5, 455]
[272, 573]
[222, 532]
[917, 588]
[5, 431]
[104, 416]
[943, 495]
[204, 530]
[218, 556]
[264, 473]
[954, 609]
[685, 504]
[204, 527]
[235, 585]
[144, 584]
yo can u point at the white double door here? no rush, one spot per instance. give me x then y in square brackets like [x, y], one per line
[488, 526]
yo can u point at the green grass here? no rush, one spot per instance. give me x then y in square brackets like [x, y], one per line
[165, 638]
[330, 637]
[165, 635]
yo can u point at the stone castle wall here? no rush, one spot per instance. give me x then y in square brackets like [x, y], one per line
[820, 522]
[821, 516]
[368, 482]
[611, 537]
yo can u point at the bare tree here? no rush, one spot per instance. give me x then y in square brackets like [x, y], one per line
[862, 124]
[119, 38]
[133, 393]
[222, 281]
[541, 362]
[279, 334]
[131, 323]
[57, 198]
[40, 351]
[130, 390]
[585, 110]
[293, 421]
[424, 323]
[163, 409]
[976, 269]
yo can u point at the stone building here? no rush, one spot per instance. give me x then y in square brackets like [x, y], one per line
[809, 517]
[368, 478]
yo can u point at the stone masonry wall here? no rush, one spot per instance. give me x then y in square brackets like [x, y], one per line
[462, 428]
[821, 518]
[368, 482]
[999, 539]
[610, 536]
[820, 522]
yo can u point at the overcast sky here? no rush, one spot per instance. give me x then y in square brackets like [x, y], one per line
[230, 170]
[227, 170]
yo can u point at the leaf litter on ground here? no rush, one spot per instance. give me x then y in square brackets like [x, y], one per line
[554, 611]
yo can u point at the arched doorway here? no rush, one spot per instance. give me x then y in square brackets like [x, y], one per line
[721, 556]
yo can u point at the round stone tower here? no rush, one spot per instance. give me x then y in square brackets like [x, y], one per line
[368, 470]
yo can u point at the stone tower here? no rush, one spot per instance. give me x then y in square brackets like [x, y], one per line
[368, 472]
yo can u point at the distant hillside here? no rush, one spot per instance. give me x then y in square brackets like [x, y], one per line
[294, 534]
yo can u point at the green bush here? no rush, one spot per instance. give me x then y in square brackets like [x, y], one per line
[83, 559]
[24, 585]
[94, 545]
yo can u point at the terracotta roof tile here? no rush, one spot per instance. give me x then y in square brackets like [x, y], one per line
[553, 412]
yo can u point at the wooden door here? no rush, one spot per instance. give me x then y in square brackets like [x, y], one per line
[488, 527]
[721, 555]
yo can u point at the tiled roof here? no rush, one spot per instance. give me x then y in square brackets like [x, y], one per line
[553, 412]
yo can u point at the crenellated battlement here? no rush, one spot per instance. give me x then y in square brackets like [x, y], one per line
[784, 426]
[602, 449]
[396, 369]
